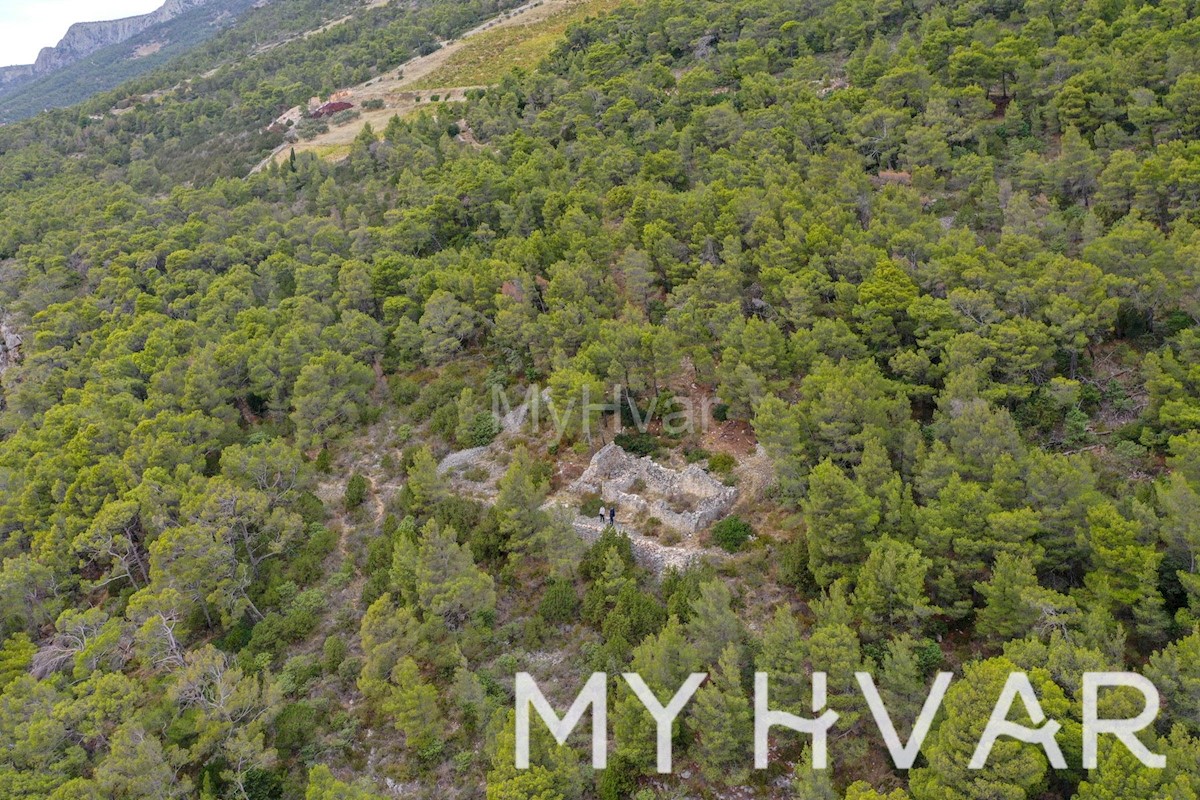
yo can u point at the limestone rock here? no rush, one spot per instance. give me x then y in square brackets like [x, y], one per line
[84, 38]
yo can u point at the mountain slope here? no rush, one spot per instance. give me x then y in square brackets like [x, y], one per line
[918, 282]
[84, 38]
[97, 56]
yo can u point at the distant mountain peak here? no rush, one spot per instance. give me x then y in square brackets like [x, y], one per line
[84, 38]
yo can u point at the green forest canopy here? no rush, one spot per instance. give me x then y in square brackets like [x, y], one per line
[942, 259]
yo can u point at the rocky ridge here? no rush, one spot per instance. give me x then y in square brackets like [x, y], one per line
[84, 38]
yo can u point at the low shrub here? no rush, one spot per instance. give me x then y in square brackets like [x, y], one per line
[731, 533]
[721, 463]
[356, 492]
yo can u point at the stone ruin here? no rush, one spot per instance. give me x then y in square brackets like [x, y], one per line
[686, 500]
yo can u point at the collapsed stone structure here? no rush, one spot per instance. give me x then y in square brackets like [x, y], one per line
[687, 500]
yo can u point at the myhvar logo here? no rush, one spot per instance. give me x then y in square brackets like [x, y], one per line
[594, 696]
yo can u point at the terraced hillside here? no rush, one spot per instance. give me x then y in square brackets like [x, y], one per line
[516, 39]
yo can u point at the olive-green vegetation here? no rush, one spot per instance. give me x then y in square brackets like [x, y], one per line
[939, 260]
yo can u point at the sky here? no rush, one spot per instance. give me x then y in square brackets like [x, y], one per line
[26, 26]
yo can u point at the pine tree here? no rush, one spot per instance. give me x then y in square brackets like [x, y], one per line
[1180, 530]
[413, 704]
[322, 785]
[861, 790]
[402, 578]
[841, 517]
[554, 772]
[329, 393]
[1119, 775]
[425, 486]
[15, 657]
[602, 596]
[782, 656]
[722, 723]
[713, 625]
[449, 585]
[835, 650]
[664, 661]
[875, 476]
[1014, 770]
[809, 783]
[137, 767]
[1014, 601]
[901, 679]
[1175, 670]
[883, 299]
[890, 596]
[519, 506]
[1124, 574]
[953, 533]
[388, 633]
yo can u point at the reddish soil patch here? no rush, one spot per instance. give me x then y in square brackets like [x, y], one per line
[734, 436]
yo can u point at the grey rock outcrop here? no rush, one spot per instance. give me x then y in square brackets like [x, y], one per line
[84, 38]
[10, 347]
[16, 73]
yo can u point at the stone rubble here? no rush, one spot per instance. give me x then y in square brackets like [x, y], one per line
[687, 500]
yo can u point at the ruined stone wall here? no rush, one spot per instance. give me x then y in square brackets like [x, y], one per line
[687, 500]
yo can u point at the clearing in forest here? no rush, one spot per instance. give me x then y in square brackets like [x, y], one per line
[518, 38]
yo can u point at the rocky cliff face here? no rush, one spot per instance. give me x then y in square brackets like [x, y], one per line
[85, 38]
[14, 74]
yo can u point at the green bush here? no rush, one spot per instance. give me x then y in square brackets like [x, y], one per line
[640, 444]
[306, 566]
[793, 565]
[619, 781]
[484, 428]
[443, 422]
[356, 491]
[310, 508]
[333, 653]
[592, 564]
[560, 603]
[590, 506]
[929, 656]
[405, 390]
[731, 533]
[721, 463]
[349, 669]
[475, 474]
[294, 726]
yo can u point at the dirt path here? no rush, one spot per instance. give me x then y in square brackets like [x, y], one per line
[397, 88]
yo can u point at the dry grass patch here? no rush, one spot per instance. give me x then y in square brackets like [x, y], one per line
[489, 54]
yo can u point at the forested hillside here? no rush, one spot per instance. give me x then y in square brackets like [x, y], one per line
[938, 260]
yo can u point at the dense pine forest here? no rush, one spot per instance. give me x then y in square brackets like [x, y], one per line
[936, 265]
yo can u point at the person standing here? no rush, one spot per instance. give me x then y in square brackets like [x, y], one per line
[612, 516]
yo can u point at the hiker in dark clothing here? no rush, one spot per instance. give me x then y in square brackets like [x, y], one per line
[612, 516]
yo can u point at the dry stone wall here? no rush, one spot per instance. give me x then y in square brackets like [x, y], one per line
[687, 500]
